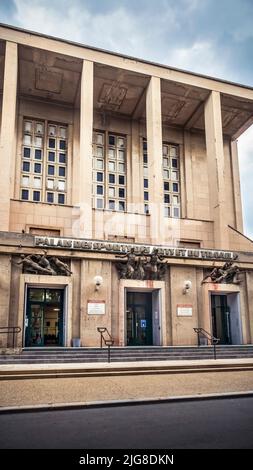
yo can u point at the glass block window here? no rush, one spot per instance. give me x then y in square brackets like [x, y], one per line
[44, 162]
[171, 185]
[145, 175]
[109, 171]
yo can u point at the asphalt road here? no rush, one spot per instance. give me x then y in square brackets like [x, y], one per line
[226, 423]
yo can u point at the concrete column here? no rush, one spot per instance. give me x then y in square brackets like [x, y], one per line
[236, 186]
[155, 166]
[76, 157]
[215, 161]
[7, 147]
[86, 129]
[5, 285]
[189, 200]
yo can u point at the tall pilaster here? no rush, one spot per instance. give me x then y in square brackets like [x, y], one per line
[86, 129]
[155, 162]
[236, 186]
[215, 160]
[189, 199]
[7, 135]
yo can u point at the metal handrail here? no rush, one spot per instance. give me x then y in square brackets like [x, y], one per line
[108, 342]
[213, 340]
[10, 329]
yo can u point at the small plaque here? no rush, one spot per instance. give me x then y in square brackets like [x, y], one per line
[184, 310]
[96, 307]
[143, 323]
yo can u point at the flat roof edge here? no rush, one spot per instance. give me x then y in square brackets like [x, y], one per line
[136, 59]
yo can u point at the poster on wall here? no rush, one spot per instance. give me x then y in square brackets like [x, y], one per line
[184, 310]
[96, 307]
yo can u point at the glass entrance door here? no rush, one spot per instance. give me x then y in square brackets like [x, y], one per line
[221, 318]
[44, 317]
[139, 319]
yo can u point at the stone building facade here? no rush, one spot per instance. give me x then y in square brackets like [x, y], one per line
[120, 194]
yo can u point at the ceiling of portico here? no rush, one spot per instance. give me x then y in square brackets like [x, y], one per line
[181, 104]
[118, 91]
[48, 75]
[236, 113]
[56, 77]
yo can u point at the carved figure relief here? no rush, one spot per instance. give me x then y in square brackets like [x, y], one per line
[44, 264]
[137, 266]
[228, 274]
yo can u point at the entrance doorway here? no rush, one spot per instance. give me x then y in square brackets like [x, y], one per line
[139, 319]
[226, 321]
[221, 318]
[44, 317]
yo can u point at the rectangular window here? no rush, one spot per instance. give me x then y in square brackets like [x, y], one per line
[26, 152]
[62, 158]
[39, 139]
[145, 174]
[25, 194]
[109, 155]
[51, 156]
[37, 182]
[50, 183]
[100, 177]
[171, 178]
[26, 166]
[37, 168]
[61, 198]
[121, 205]
[170, 175]
[36, 196]
[100, 204]
[25, 180]
[111, 204]
[38, 154]
[50, 197]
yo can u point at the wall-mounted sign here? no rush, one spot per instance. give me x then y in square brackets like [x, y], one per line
[184, 310]
[143, 323]
[114, 247]
[96, 307]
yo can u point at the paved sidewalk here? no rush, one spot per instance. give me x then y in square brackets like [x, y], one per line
[126, 365]
[121, 386]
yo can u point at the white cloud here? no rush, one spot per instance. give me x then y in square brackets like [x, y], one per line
[200, 57]
[119, 30]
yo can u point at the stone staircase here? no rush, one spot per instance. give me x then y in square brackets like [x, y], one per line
[63, 355]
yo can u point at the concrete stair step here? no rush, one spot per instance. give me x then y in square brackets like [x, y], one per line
[126, 354]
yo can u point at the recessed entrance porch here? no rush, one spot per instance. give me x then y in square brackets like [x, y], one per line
[142, 320]
[44, 317]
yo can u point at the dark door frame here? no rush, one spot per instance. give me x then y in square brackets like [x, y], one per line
[28, 306]
[224, 335]
[150, 314]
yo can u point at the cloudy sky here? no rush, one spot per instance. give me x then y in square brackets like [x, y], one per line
[213, 37]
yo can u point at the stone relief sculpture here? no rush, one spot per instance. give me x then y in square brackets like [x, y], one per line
[228, 274]
[44, 264]
[138, 266]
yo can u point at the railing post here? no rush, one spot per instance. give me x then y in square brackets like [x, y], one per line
[101, 340]
[109, 353]
[214, 350]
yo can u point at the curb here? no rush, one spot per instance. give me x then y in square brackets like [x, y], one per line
[118, 403]
[121, 370]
